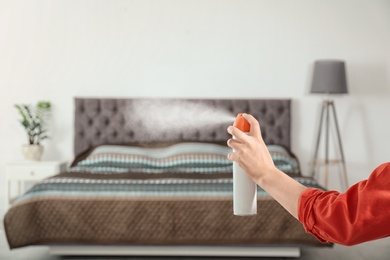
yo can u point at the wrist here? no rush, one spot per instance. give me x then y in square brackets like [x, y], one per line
[268, 177]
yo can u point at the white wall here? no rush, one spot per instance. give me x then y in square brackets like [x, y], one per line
[56, 50]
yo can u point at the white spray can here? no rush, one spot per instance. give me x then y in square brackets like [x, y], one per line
[244, 188]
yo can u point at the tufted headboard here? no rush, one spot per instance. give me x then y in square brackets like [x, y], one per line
[103, 121]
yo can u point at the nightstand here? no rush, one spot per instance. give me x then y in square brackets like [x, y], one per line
[31, 171]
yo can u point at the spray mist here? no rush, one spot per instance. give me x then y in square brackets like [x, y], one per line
[244, 188]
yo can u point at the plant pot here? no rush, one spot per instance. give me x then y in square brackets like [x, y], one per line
[32, 152]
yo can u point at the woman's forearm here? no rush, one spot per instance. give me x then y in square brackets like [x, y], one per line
[283, 189]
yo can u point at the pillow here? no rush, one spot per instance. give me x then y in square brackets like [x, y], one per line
[186, 157]
[181, 157]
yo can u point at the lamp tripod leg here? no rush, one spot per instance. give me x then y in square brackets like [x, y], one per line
[318, 140]
[327, 145]
[340, 146]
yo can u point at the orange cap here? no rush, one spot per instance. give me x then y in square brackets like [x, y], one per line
[241, 123]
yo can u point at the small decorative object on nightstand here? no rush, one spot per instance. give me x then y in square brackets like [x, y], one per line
[31, 171]
[34, 121]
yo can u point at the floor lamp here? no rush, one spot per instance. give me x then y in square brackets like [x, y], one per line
[329, 78]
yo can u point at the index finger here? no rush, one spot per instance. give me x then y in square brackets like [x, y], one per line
[255, 126]
[237, 134]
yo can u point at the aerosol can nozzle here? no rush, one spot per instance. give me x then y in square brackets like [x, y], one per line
[242, 124]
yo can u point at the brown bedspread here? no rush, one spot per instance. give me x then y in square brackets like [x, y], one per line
[112, 198]
[145, 222]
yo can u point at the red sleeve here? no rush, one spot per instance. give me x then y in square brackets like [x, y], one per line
[360, 214]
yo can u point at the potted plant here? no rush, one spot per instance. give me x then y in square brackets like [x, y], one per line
[34, 121]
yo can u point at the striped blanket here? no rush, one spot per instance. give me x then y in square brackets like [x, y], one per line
[185, 169]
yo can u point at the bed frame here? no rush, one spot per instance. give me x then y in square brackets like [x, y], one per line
[103, 121]
[196, 251]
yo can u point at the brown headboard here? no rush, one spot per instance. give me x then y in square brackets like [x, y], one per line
[102, 121]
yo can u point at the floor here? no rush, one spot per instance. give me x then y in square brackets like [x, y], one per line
[379, 249]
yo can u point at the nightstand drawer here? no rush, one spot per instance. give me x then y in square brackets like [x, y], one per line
[31, 173]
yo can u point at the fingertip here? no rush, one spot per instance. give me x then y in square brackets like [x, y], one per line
[248, 116]
[230, 130]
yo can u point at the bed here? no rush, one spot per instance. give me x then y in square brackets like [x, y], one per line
[137, 188]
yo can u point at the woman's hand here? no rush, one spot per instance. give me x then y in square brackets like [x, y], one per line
[250, 151]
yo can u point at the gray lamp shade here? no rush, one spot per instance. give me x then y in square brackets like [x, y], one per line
[329, 77]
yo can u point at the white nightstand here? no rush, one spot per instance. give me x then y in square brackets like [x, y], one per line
[31, 171]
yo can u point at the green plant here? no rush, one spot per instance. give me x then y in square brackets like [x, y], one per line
[34, 120]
